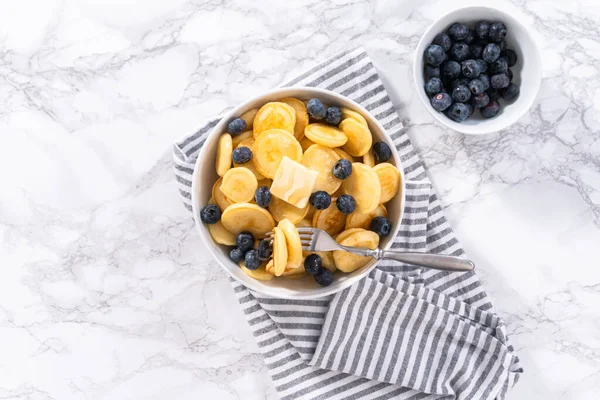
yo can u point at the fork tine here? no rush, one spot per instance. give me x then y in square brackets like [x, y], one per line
[304, 243]
[305, 236]
[305, 230]
[306, 248]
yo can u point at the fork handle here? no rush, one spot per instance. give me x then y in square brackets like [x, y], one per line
[433, 261]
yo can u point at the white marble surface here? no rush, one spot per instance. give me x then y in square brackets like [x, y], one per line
[105, 289]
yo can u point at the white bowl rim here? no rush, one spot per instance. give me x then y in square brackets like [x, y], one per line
[207, 239]
[482, 128]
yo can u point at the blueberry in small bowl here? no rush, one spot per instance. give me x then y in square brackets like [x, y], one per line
[461, 94]
[460, 72]
[441, 101]
[488, 75]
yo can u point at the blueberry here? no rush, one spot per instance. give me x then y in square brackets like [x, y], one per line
[210, 214]
[461, 94]
[433, 86]
[510, 74]
[312, 264]
[381, 152]
[470, 37]
[434, 55]
[499, 81]
[470, 69]
[491, 110]
[460, 81]
[236, 255]
[441, 101]
[459, 112]
[443, 40]
[262, 196]
[236, 127]
[491, 52]
[244, 241]
[264, 250]
[431, 72]
[342, 169]
[499, 66]
[251, 260]
[482, 30]
[320, 200]
[497, 32]
[485, 80]
[476, 86]
[493, 94]
[475, 50]
[480, 100]
[483, 66]
[324, 277]
[502, 44]
[510, 56]
[510, 93]
[458, 31]
[346, 204]
[445, 58]
[241, 155]
[316, 109]
[333, 116]
[459, 51]
[451, 70]
[381, 226]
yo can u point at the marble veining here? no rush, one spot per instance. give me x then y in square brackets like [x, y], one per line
[106, 291]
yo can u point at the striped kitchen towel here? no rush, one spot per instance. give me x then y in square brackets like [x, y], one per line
[402, 332]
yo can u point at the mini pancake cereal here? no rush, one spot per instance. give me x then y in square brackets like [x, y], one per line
[294, 163]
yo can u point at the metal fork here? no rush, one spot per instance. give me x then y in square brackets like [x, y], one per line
[314, 239]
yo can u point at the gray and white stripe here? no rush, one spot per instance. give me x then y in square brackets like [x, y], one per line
[402, 332]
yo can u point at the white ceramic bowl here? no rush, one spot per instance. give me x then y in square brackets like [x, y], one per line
[205, 176]
[527, 72]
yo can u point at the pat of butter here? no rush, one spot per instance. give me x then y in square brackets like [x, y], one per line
[293, 182]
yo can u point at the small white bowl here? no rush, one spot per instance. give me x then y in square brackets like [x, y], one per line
[205, 176]
[527, 72]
